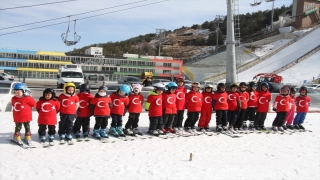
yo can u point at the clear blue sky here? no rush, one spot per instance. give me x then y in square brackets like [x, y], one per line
[117, 26]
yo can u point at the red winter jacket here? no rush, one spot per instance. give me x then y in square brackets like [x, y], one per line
[302, 103]
[84, 101]
[233, 98]
[22, 108]
[69, 104]
[193, 101]
[48, 110]
[263, 101]
[154, 104]
[207, 102]
[220, 99]
[253, 98]
[282, 103]
[244, 98]
[135, 103]
[118, 103]
[169, 103]
[101, 105]
[181, 100]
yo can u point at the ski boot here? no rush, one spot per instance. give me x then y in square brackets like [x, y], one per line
[120, 132]
[96, 133]
[280, 128]
[207, 129]
[69, 137]
[17, 138]
[188, 129]
[244, 126]
[62, 136]
[77, 135]
[257, 128]
[232, 130]
[103, 133]
[263, 128]
[160, 132]
[113, 132]
[176, 130]
[251, 126]
[301, 127]
[170, 130]
[153, 132]
[180, 129]
[201, 130]
[218, 128]
[289, 126]
[42, 139]
[136, 131]
[275, 128]
[224, 128]
[51, 137]
[86, 136]
[128, 132]
[284, 127]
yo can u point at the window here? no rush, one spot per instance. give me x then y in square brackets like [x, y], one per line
[93, 77]
[167, 64]
[72, 74]
[166, 71]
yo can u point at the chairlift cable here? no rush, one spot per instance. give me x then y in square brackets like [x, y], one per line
[36, 5]
[84, 18]
[72, 15]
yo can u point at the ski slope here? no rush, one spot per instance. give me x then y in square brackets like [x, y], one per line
[253, 156]
[284, 57]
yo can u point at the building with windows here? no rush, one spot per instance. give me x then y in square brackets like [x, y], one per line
[45, 65]
[305, 13]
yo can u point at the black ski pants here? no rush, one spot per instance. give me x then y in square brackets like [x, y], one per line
[178, 118]
[240, 118]
[260, 118]
[133, 121]
[191, 120]
[116, 120]
[156, 122]
[221, 117]
[232, 116]
[168, 120]
[66, 123]
[279, 120]
[42, 129]
[101, 122]
[83, 122]
[250, 114]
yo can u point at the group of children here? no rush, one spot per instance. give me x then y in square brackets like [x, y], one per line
[165, 106]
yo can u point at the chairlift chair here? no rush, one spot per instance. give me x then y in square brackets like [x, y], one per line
[256, 3]
[76, 37]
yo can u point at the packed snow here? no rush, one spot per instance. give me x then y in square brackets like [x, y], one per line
[252, 156]
[265, 49]
[286, 56]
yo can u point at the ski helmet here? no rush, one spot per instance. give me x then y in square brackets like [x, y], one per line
[84, 88]
[264, 84]
[207, 86]
[243, 84]
[49, 90]
[220, 86]
[103, 88]
[285, 88]
[69, 84]
[195, 84]
[252, 84]
[125, 89]
[234, 85]
[20, 86]
[179, 79]
[303, 88]
[159, 86]
[172, 85]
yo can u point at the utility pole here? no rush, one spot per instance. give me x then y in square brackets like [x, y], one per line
[161, 35]
[219, 19]
[272, 15]
[231, 63]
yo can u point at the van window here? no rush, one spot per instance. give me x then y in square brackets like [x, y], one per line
[101, 78]
[93, 77]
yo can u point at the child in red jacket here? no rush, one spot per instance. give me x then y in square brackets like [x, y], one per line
[302, 102]
[193, 105]
[262, 108]
[120, 102]
[83, 118]
[281, 105]
[234, 105]
[48, 106]
[244, 98]
[289, 119]
[252, 106]
[220, 105]
[169, 107]
[100, 108]
[180, 104]
[68, 110]
[22, 105]
[206, 109]
[154, 106]
[136, 100]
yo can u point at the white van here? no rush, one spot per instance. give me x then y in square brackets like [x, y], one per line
[94, 80]
[70, 73]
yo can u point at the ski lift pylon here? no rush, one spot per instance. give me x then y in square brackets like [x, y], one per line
[256, 3]
[64, 36]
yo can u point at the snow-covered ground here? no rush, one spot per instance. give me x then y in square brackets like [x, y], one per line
[253, 156]
[303, 71]
[265, 49]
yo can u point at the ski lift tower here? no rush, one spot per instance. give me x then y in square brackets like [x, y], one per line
[231, 63]
[258, 2]
[161, 35]
[218, 20]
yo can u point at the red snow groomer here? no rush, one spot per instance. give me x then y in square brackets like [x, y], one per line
[274, 81]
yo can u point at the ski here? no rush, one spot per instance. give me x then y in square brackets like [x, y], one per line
[287, 132]
[141, 136]
[62, 141]
[51, 143]
[44, 144]
[70, 142]
[102, 140]
[79, 139]
[228, 133]
[266, 131]
[86, 139]
[20, 145]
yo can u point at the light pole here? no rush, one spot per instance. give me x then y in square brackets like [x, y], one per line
[219, 19]
[161, 34]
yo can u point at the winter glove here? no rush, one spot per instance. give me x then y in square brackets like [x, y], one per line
[147, 109]
[274, 109]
